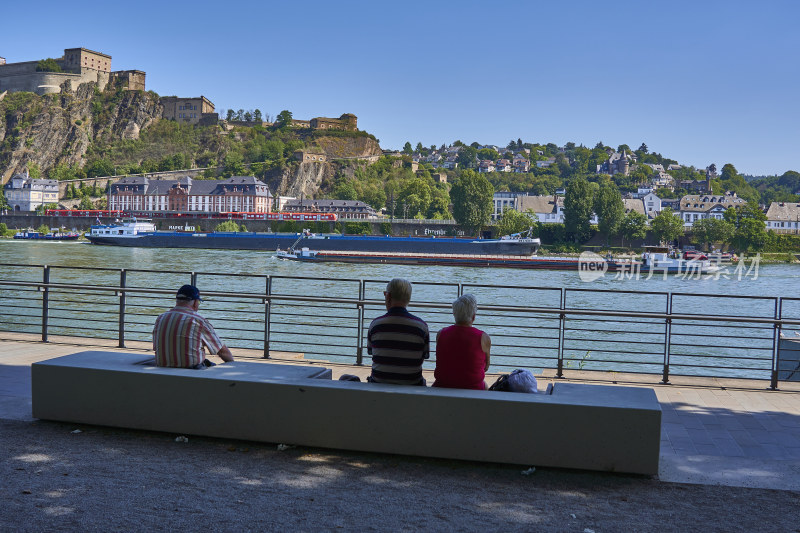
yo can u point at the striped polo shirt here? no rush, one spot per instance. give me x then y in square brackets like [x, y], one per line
[179, 336]
[398, 343]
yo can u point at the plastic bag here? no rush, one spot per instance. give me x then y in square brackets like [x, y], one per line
[522, 381]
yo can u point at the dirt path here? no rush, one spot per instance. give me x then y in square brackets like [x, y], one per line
[118, 480]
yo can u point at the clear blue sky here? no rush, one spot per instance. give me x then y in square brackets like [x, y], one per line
[700, 81]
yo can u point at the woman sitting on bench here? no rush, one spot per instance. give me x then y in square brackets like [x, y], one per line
[462, 351]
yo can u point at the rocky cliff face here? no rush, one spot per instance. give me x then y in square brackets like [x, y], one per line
[349, 147]
[304, 180]
[59, 128]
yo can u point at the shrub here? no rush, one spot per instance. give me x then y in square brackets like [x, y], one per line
[48, 65]
[228, 225]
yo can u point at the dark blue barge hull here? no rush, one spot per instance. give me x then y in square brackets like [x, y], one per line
[344, 243]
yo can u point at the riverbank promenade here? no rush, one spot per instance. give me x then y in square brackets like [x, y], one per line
[730, 461]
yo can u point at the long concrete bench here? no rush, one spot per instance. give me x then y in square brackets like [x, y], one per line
[592, 427]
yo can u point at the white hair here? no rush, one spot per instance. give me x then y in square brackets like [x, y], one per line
[464, 308]
[399, 290]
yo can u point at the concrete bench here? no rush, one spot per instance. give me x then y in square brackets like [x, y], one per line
[592, 427]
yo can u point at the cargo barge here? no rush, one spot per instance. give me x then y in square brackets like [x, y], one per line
[656, 262]
[144, 234]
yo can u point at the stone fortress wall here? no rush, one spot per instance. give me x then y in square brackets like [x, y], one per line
[79, 65]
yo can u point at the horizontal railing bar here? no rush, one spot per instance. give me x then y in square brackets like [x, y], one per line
[681, 357]
[629, 332]
[354, 301]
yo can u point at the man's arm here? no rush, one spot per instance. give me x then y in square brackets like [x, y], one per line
[486, 346]
[225, 354]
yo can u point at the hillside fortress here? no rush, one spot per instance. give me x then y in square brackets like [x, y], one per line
[78, 65]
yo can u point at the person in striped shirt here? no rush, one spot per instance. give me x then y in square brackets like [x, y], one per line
[398, 341]
[180, 334]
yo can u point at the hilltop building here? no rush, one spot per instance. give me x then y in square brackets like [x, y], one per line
[236, 194]
[197, 110]
[346, 122]
[25, 194]
[310, 156]
[618, 163]
[78, 65]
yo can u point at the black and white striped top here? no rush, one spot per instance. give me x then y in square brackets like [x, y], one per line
[398, 343]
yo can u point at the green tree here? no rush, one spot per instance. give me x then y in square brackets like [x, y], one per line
[34, 172]
[513, 221]
[578, 203]
[86, 203]
[712, 230]
[230, 116]
[488, 154]
[419, 147]
[414, 197]
[439, 208]
[472, 200]
[99, 168]
[228, 225]
[43, 229]
[609, 208]
[345, 191]
[643, 148]
[234, 165]
[284, 119]
[750, 223]
[633, 226]
[466, 157]
[47, 65]
[667, 226]
[407, 148]
[257, 117]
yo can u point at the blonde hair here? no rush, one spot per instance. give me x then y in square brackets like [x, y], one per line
[399, 290]
[464, 308]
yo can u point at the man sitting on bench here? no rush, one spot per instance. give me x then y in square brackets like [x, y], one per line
[181, 333]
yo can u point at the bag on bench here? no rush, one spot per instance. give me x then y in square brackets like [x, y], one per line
[518, 381]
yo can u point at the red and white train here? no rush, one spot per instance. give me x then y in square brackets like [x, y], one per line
[283, 215]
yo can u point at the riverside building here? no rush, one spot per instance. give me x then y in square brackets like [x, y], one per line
[235, 194]
[25, 194]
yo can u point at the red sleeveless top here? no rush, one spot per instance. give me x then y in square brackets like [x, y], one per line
[460, 360]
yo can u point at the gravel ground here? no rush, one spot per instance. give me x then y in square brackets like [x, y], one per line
[101, 479]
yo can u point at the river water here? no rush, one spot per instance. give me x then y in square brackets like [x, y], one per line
[716, 295]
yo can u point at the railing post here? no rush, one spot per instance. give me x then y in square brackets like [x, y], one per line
[776, 344]
[360, 329]
[194, 279]
[123, 278]
[667, 337]
[267, 317]
[562, 318]
[45, 301]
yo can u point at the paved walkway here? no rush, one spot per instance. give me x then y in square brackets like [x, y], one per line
[732, 433]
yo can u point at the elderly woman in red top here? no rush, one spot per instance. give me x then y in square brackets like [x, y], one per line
[462, 352]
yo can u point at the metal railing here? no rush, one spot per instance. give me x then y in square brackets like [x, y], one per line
[328, 318]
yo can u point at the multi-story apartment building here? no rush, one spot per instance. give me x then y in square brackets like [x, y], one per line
[694, 207]
[343, 208]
